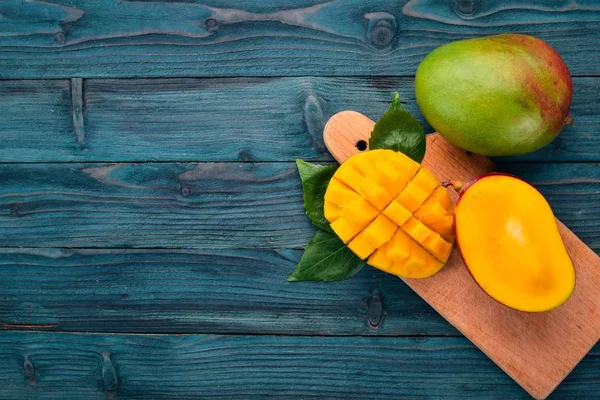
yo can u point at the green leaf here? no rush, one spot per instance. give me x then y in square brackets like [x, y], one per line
[326, 258]
[315, 179]
[396, 105]
[398, 130]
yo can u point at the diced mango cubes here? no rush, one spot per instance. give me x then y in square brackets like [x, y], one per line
[373, 236]
[374, 193]
[339, 194]
[380, 230]
[361, 246]
[347, 175]
[440, 196]
[445, 227]
[420, 264]
[401, 162]
[430, 213]
[332, 211]
[399, 247]
[392, 180]
[425, 181]
[416, 230]
[345, 229]
[379, 260]
[412, 197]
[437, 246]
[359, 211]
[391, 211]
[366, 169]
[396, 213]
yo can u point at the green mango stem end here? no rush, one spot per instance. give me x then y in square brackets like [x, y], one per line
[457, 185]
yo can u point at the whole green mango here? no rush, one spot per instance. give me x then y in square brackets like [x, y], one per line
[497, 95]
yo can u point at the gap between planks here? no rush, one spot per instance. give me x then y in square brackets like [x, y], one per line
[80, 162]
[163, 333]
[191, 76]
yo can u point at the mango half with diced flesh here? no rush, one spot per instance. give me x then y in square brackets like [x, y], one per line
[392, 212]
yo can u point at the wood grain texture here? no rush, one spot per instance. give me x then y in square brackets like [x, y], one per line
[208, 205]
[538, 350]
[59, 366]
[32, 110]
[175, 291]
[113, 38]
[237, 119]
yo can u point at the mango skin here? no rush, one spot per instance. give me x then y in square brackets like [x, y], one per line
[497, 96]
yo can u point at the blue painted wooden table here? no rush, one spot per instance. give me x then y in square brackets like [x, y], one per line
[150, 210]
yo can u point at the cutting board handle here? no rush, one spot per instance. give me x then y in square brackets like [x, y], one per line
[347, 133]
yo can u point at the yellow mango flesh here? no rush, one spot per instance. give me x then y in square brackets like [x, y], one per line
[396, 213]
[440, 196]
[430, 213]
[380, 231]
[374, 193]
[345, 229]
[340, 194]
[511, 244]
[445, 227]
[392, 180]
[420, 264]
[360, 211]
[388, 208]
[332, 211]
[373, 236]
[379, 260]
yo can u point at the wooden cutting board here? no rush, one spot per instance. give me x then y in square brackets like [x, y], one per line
[537, 350]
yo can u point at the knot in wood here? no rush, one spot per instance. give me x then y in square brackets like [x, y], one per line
[15, 211]
[375, 310]
[382, 30]
[211, 25]
[314, 119]
[60, 38]
[244, 155]
[109, 375]
[29, 370]
[466, 8]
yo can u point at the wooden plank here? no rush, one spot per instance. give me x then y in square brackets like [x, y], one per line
[59, 366]
[36, 120]
[209, 205]
[112, 38]
[237, 119]
[175, 291]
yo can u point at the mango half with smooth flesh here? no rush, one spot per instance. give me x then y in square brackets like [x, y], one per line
[497, 95]
[391, 210]
[509, 240]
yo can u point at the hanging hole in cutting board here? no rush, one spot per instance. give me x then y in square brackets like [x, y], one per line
[361, 145]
